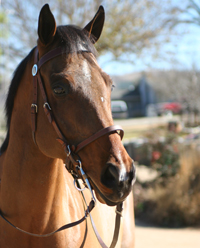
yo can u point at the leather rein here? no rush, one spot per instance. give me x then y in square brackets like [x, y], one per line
[73, 165]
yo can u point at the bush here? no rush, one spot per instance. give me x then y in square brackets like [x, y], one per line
[160, 153]
[177, 203]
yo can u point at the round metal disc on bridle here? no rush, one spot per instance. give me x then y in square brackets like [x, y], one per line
[34, 70]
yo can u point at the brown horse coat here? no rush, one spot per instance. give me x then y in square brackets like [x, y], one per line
[36, 191]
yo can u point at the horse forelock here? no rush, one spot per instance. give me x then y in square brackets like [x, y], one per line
[75, 40]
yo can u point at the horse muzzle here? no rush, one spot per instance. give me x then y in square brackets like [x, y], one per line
[118, 181]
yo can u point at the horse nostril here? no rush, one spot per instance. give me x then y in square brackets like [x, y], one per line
[118, 179]
[110, 177]
[112, 170]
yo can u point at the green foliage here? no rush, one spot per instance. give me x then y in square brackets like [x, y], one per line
[161, 154]
[172, 200]
[3, 22]
[165, 157]
[3, 18]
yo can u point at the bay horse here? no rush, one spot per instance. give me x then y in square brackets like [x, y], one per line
[60, 130]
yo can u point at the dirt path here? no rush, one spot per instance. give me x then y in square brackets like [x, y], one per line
[152, 237]
[155, 237]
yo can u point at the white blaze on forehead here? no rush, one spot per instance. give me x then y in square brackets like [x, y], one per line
[86, 70]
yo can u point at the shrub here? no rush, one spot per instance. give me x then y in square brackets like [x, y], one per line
[178, 202]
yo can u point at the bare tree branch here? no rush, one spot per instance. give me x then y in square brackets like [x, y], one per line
[131, 26]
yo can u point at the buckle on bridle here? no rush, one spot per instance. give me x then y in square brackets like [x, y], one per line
[68, 151]
[118, 212]
[33, 105]
[85, 180]
[46, 105]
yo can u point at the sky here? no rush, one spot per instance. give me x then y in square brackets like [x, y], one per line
[182, 53]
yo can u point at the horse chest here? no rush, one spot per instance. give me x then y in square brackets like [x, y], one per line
[67, 239]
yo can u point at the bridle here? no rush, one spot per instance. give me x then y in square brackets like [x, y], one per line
[73, 165]
[70, 150]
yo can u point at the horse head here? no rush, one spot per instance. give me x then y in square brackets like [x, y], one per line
[79, 94]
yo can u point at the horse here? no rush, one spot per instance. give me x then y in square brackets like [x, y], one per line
[63, 159]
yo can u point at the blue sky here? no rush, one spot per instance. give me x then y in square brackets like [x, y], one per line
[182, 53]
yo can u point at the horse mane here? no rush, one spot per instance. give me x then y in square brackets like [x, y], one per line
[73, 38]
[11, 96]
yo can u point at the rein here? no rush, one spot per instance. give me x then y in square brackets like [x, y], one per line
[73, 165]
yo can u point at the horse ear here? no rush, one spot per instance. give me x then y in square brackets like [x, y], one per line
[46, 25]
[95, 26]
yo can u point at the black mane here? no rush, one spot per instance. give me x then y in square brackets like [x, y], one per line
[73, 39]
[11, 96]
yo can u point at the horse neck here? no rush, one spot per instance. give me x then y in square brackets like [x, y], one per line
[30, 180]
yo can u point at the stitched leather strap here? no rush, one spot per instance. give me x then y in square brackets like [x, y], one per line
[116, 231]
[99, 134]
[87, 211]
[70, 150]
[34, 106]
[50, 55]
[118, 211]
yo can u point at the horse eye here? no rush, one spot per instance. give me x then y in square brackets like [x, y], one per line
[59, 90]
[112, 87]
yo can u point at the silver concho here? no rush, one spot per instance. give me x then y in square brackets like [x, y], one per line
[34, 69]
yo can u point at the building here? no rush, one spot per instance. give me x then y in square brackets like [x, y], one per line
[136, 92]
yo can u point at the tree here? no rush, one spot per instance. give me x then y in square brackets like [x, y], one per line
[189, 86]
[3, 21]
[189, 12]
[132, 27]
